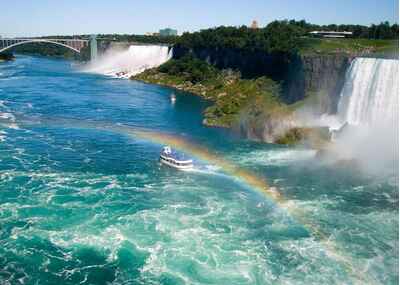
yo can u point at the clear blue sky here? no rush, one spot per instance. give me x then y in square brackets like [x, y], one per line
[50, 17]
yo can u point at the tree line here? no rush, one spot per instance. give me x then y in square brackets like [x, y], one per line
[150, 39]
[189, 68]
[277, 36]
[383, 31]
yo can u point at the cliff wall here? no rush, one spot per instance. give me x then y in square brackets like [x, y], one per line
[319, 75]
[299, 75]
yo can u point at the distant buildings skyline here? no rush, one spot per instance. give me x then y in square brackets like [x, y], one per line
[163, 32]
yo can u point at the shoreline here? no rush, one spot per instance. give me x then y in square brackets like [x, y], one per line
[6, 57]
[228, 94]
[190, 92]
[256, 113]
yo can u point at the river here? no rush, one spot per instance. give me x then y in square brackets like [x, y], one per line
[83, 198]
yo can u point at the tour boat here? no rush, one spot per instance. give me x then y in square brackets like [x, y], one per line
[170, 158]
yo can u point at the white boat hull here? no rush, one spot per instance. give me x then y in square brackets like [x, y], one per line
[180, 167]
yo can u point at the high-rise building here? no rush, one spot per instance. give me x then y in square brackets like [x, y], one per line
[254, 24]
[168, 32]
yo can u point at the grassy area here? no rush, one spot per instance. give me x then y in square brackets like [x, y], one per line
[349, 46]
[243, 98]
[230, 94]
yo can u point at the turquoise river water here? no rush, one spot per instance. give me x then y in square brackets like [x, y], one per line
[84, 200]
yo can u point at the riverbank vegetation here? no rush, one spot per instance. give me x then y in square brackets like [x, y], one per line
[229, 93]
[249, 106]
[147, 39]
[6, 56]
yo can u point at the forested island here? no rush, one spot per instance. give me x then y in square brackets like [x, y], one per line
[257, 78]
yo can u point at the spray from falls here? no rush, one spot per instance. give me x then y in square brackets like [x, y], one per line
[126, 63]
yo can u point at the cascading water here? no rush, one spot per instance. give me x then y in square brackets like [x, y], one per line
[371, 91]
[134, 60]
[368, 116]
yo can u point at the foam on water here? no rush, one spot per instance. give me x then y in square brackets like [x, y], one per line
[276, 157]
[180, 235]
[243, 176]
[7, 118]
[3, 135]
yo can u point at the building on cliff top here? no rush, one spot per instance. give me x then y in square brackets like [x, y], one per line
[331, 34]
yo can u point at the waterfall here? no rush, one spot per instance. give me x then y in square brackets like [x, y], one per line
[368, 113]
[371, 92]
[136, 59]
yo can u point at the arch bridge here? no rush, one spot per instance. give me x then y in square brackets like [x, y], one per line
[73, 44]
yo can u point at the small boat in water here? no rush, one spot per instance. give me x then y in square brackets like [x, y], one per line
[122, 74]
[170, 158]
[173, 98]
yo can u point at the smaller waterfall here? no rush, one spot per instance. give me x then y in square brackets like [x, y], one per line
[368, 112]
[134, 60]
[371, 92]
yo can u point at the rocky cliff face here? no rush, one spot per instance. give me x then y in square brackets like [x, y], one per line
[322, 75]
[250, 64]
[300, 76]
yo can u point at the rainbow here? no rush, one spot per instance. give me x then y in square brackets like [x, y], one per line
[253, 181]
